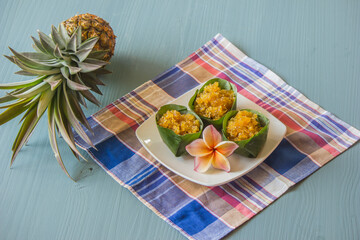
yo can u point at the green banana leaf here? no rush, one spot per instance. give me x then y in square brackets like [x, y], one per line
[223, 84]
[252, 146]
[176, 143]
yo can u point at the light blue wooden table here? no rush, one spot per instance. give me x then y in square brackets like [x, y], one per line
[313, 45]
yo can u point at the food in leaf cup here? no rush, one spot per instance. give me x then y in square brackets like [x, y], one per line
[248, 129]
[178, 126]
[213, 100]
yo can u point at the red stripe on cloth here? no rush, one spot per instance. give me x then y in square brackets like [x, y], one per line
[122, 116]
[284, 118]
[331, 150]
[233, 202]
[291, 123]
[270, 80]
[213, 71]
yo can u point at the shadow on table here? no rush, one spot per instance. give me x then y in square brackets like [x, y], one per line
[128, 72]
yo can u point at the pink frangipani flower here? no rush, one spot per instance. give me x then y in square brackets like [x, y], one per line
[211, 151]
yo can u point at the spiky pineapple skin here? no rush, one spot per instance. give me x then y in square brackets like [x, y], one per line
[93, 26]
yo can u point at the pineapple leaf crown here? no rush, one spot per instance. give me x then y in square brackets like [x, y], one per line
[66, 70]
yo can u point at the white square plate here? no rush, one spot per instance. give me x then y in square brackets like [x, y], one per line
[150, 138]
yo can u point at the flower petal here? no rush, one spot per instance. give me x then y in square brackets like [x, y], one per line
[211, 136]
[198, 148]
[226, 148]
[202, 164]
[219, 161]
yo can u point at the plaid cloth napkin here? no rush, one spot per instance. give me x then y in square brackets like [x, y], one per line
[314, 137]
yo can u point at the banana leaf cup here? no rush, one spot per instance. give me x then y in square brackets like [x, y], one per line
[252, 146]
[177, 143]
[223, 84]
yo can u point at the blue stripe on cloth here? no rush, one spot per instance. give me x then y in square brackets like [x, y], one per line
[128, 170]
[141, 175]
[157, 188]
[143, 101]
[176, 82]
[301, 170]
[251, 77]
[216, 230]
[166, 74]
[316, 123]
[330, 117]
[193, 218]
[154, 185]
[294, 97]
[111, 152]
[259, 70]
[248, 195]
[284, 157]
[258, 187]
[267, 177]
[167, 198]
[99, 134]
[144, 115]
[149, 183]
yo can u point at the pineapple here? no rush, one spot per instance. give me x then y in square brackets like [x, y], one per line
[93, 26]
[65, 69]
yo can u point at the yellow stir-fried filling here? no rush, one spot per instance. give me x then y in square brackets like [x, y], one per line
[180, 124]
[243, 126]
[214, 102]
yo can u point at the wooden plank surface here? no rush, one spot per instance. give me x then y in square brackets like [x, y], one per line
[313, 45]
